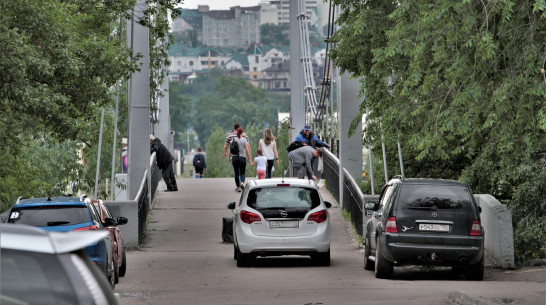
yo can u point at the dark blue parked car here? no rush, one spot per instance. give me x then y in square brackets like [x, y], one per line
[67, 214]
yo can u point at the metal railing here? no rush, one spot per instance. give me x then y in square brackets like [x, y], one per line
[143, 198]
[353, 200]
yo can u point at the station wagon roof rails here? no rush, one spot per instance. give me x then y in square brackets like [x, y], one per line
[398, 177]
[19, 200]
[83, 197]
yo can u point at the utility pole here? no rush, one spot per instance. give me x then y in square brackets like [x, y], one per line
[139, 108]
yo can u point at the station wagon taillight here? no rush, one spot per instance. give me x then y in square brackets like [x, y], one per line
[249, 217]
[476, 229]
[318, 217]
[390, 227]
[93, 227]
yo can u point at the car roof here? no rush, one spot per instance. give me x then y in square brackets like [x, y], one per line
[33, 239]
[29, 202]
[275, 181]
[430, 181]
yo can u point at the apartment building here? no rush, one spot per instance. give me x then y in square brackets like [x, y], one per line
[237, 27]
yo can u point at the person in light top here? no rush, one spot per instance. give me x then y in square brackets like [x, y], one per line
[261, 164]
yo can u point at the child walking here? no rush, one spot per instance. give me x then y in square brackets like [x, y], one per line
[261, 164]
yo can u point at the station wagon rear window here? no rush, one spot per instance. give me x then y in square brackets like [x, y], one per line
[433, 197]
[283, 197]
[47, 216]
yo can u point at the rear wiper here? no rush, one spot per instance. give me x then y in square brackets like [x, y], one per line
[268, 209]
[57, 223]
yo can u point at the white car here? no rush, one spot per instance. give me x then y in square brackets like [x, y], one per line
[283, 216]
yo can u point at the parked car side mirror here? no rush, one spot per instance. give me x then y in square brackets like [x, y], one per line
[110, 222]
[122, 220]
[479, 209]
[328, 204]
[370, 205]
[231, 205]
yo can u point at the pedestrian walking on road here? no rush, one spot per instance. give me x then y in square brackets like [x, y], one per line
[239, 158]
[227, 143]
[302, 159]
[261, 164]
[199, 163]
[164, 162]
[268, 145]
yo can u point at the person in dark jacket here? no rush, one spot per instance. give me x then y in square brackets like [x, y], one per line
[199, 163]
[164, 162]
[307, 137]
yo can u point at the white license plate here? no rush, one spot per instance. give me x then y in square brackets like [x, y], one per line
[433, 227]
[283, 224]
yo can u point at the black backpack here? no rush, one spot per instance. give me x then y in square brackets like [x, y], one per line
[294, 145]
[234, 147]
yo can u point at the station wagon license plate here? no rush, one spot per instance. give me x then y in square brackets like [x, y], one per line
[433, 227]
[283, 224]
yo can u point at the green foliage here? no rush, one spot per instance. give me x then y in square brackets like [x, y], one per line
[459, 85]
[60, 63]
[217, 165]
[275, 35]
[231, 100]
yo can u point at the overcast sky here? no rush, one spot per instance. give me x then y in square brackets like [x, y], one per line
[218, 4]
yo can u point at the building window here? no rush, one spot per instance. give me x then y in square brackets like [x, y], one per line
[255, 69]
[257, 59]
[179, 62]
[191, 62]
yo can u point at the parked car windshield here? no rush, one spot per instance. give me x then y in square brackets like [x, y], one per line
[283, 197]
[46, 216]
[421, 196]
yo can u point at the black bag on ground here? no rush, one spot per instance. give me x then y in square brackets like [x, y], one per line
[294, 145]
[234, 147]
[227, 229]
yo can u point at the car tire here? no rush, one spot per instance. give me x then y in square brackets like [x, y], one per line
[112, 276]
[235, 252]
[368, 263]
[383, 268]
[116, 272]
[242, 259]
[475, 272]
[322, 259]
[123, 267]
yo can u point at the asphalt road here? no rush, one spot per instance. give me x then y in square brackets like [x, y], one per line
[184, 261]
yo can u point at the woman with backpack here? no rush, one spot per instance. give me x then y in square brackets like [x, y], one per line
[240, 153]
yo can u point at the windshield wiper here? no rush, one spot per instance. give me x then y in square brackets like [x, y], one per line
[57, 223]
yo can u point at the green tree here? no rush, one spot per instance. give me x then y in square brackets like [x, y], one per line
[459, 85]
[60, 62]
[274, 34]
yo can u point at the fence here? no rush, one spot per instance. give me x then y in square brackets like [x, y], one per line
[353, 199]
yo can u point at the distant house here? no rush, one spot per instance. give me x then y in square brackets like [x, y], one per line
[186, 60]
[276, 77]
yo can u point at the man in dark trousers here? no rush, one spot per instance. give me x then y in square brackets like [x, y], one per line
[164, 162]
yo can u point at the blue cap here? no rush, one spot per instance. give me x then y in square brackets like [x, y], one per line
[307, 127]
